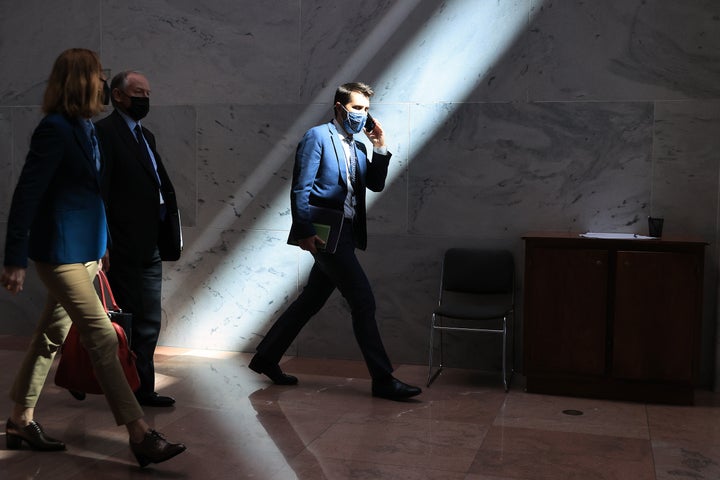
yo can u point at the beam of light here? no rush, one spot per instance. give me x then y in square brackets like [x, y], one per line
[445, 61]
[278, 155]
[439, 48]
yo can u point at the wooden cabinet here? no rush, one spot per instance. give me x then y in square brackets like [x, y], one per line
[612, 318]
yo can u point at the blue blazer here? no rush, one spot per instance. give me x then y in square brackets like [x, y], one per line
[319, 178]
[57, 214]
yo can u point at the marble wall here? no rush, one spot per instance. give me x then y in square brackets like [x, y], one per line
[504, 116]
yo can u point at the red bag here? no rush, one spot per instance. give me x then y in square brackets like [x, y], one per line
[75, 371]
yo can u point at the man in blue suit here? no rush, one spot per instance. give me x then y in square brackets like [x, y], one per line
[332, 171]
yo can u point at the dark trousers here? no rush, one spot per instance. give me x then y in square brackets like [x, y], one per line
[138, 289]
[339, 270]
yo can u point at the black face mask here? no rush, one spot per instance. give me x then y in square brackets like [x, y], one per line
[106, 93]
[139, 108]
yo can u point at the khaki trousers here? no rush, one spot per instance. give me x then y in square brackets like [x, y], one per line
[72, 298]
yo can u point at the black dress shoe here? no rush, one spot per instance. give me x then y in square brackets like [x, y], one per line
[155, 449]
[272, 370]
[154, 400]
[33, 435]
[393, 389]
[78, 395]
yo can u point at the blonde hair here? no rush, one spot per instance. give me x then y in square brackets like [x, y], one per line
[74, 87]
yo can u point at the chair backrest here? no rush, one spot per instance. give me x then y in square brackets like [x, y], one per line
[482, 271]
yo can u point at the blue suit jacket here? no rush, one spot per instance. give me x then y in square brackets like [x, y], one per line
[319, 178]
[57, 214]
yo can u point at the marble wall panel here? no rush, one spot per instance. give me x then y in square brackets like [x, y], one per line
[418, 51]
[245, 162]
[33, 35]
[632, 50]
[16, 128]
[336, 52]
[685, 173]
[224, 51]
[7, 184]
[685, 190]
[225, 296]
[24, 122]
[504, 169]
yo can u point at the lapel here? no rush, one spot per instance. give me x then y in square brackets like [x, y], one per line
[131, 144]
[126, 135]
[84, 142]
[361, 164]
[339, 153]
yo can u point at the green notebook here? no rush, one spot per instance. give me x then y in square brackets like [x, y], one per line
[322, 230]
[328, 223]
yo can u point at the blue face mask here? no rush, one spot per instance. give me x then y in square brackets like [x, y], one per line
[354, 122]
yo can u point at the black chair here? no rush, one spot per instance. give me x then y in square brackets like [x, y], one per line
[477, 295]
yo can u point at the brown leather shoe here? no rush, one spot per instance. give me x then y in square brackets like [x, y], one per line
[33, 435]
[155, 449]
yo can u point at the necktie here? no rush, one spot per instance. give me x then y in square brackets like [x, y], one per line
[90, 129]
[144, 152]
[352, 163]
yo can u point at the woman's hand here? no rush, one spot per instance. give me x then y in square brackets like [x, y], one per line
[13, 278]
[105, 262]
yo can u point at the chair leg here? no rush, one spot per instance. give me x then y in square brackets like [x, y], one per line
[432, 376]
[430, 355]
[511, 349]
[507, 377]
[504, 354]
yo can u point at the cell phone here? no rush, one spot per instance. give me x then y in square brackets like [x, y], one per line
[369, 124]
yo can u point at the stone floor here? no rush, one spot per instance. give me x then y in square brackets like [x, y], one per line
[237, 425]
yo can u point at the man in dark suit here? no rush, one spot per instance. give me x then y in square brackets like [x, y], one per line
[143, 221]
[332, 171]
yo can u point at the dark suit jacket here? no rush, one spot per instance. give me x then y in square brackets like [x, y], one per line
[131, 195]
[57, 214]
[319, 178]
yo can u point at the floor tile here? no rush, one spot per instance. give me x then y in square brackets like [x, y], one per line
[237, 424]
[541, 454]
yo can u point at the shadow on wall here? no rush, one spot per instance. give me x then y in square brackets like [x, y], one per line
[242, 247]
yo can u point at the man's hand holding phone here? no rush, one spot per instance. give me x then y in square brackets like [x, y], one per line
[374, 131]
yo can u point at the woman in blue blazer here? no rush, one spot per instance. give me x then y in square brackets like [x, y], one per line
[57, 218]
